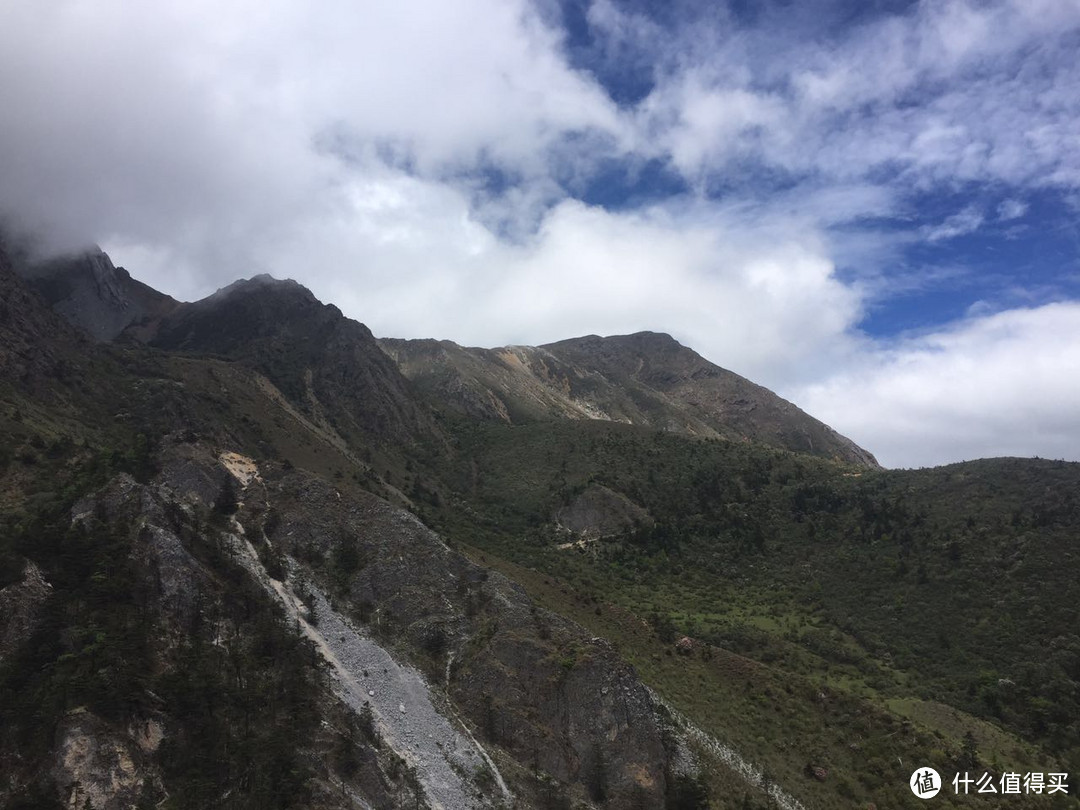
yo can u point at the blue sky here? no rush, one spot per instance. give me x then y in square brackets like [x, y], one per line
[975, 241]
[870, 207]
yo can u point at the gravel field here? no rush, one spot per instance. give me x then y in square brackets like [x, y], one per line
[445, 755]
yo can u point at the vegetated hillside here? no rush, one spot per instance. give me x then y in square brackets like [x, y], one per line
[844, 625]
[160, 606]
[937, 600]
[644, 379]
[326, 364]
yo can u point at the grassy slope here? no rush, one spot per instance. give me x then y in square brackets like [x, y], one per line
[944, 598]
[838, 602]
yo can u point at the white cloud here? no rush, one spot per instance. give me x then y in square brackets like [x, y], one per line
[1002, 384]
[416, 163]
[959, 224]
[409, 259]
[711, 126]
[1011, 209]
[950, 91]
[243, 114]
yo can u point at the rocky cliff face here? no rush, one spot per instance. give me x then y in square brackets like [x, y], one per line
[531, 684]
[190, 685]
[33, 341]
[20, 605]
[98, 298]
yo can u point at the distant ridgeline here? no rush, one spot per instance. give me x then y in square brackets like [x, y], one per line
[251, 556]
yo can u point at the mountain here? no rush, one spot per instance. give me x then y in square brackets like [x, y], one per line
[327, 365]
[252, 557]
[28, 332]
[100, 299]
[646, 379]
[159, 581]
[45, 361]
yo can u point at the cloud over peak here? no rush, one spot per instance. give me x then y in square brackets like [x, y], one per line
[762, 182]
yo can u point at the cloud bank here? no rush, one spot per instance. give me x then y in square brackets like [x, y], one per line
[485, 172]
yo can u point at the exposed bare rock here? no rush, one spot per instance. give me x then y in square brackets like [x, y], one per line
[599, 512]
[414, 621]
[20, 604]
[513, 384]
[118, 765]
[529, 681]
[100, 767]
[190, 471]
[34, 341]
[100, 299]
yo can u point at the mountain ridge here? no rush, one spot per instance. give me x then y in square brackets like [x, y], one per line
[645, 378]
[321, 359]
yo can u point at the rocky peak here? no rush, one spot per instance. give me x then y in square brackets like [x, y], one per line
[257, 308]
[653, 355]
[328, 365]
[35, 342]
[265, 284]
[644, 340]
[645, 378]
[679, 389]
[96, 296]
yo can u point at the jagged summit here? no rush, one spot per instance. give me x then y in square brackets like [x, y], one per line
[328, 365]
[88, 290]
[33, 340]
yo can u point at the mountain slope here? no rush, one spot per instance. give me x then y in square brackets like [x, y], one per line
[203, 577]
[100, 299]
[150, 653]
[644, 379]
[326, 364]
[854, 621]
[729, 404]
[33, 340]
